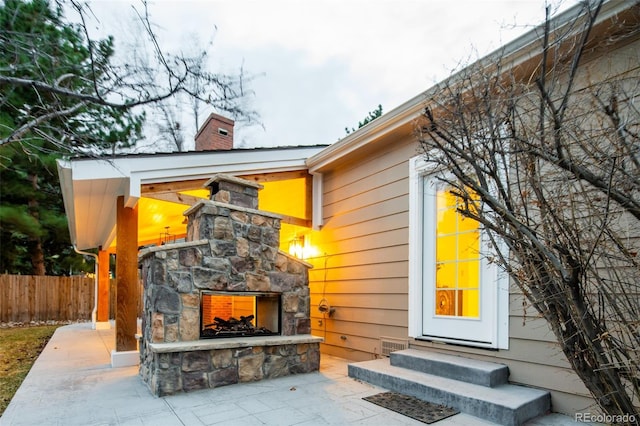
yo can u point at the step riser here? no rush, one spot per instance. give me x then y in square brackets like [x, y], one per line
[490, 377]
[486, 410]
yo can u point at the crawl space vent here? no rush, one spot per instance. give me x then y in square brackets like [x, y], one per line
[390, 344]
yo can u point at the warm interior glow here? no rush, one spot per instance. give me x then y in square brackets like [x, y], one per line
[154, 216]
[287, 197]
[457, 259]
[200, 193]
[226, 307]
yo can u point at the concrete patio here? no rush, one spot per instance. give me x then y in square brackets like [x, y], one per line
[73, 383]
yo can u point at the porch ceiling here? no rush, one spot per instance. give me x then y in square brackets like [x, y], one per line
[91, 187]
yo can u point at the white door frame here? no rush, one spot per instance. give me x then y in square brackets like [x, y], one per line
[418, 171]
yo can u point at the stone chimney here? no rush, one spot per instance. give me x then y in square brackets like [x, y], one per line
[215, 134]
[232, 190]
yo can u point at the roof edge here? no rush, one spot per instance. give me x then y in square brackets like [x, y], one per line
[515, 52]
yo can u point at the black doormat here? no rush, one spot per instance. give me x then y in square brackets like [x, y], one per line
[423, 411]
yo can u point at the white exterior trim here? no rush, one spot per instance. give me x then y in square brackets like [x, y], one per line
[418, 169]
[154, 168]
[317, 220]
[398, 117]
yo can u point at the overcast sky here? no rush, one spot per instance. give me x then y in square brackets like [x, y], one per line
[322, 65]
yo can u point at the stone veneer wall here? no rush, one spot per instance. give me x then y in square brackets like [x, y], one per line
[229, 248]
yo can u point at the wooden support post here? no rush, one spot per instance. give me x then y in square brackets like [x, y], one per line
[126, 277]
[103, 286]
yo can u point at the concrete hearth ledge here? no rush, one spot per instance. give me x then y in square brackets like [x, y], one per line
[235, 342]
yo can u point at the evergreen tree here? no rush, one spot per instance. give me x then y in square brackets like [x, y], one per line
[36, 44]
[34, 238]
[63, 93]
[368, 119]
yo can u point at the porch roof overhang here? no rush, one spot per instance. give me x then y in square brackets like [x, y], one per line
[91, 186]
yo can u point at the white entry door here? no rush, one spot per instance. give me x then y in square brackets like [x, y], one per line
[459, 288]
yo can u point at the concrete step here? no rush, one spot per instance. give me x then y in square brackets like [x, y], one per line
[503, 404]
[453, 367]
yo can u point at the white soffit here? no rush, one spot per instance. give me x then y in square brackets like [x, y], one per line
[91, 187]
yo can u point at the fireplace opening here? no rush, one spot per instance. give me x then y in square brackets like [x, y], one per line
[230, 314]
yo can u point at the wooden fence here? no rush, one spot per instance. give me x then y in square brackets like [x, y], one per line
[25, 298]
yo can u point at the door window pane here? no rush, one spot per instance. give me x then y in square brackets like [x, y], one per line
[457, 258]
[470, 303]
[446, 275]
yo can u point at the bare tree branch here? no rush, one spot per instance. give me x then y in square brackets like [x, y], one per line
[98, 83]
[554, 158]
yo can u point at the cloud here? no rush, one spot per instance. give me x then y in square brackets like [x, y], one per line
[325, 64]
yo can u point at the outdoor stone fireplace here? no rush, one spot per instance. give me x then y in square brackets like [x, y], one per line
[227, 305]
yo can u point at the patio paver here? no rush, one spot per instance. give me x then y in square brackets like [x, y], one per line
[73, 383]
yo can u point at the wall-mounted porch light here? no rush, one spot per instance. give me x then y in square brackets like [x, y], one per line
[296, 246]
[300, 247]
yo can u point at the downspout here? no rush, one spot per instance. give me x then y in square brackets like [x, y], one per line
[316, 201]
[94, 313]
